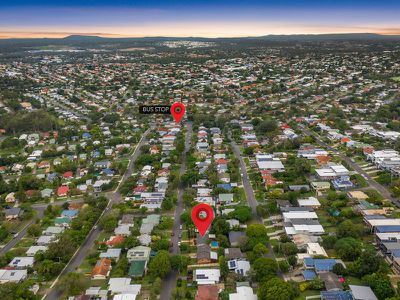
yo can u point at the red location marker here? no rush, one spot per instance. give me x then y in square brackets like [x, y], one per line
[177, 111]
[202, 216]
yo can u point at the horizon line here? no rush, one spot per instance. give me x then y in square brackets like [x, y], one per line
[61, 35]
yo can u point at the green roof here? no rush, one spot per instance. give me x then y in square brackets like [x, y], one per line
[62, 220]
[137, 268]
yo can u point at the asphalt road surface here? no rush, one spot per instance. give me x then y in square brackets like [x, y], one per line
[169, 282]
[371, 182]
[39, 208]
[82, 251]
[251, 199]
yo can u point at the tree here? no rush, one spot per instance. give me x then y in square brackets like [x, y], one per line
[369, 262]
[49, 269]
[348, 229]
[292, 260]
[179, 262]
[20, 291]
[260, 249]
[34, 230]
[380, 284]
[109, 223]
[339, 269]
[317, 284]
[73, 283]
[241, 213]
[257, 233]
[160, 265]
[348, 248]
[265, 268]
[223, 266]
[276, 289]
[220, 226]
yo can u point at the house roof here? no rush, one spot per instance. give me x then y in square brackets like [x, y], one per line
[362, 292]
[207, 292]
[102, 267]
[137, 268]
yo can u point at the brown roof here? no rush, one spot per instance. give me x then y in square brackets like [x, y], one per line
[233, 253]
[203, 251]
[207, 292]
[102, 267]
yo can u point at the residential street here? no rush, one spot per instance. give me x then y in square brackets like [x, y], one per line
[251, 199]
[82, 251]
[371, 182]
[39, 208]
[169, 282]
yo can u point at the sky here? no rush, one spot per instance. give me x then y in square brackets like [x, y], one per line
[199, 18]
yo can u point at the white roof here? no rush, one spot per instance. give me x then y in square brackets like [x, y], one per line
[300, 215]
[383, 222]
[33, 249]
[270, 165]
[12, 275]
[362, 292]
[123, 285]
[243, 293]
[207, 276]
[316, 249]
[22, 262]
[310, 201]
[125, 297]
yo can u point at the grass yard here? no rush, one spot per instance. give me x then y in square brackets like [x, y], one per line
[307, 293]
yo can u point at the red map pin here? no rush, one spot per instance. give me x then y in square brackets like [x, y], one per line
[178, 111]
[202, 216]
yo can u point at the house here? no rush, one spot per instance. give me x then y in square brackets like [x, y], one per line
[123, 286]
[46, 193]
[62, 191]
[207, 292]
[22, 262]
[311, 202]
[12, 213]
[53, 230]
[35, 249]
[14, 276]
[233, 253]
[331, 281]
[102, 269]
[234, 237]
[362, 292]
[115, 240]
[111, 253]
[243, 293]
[137, 268]
[320, 265]
[342, 183]
[206, 276]
[269, 162]
[225, 198]
[336, 295]
[205, 255]
[240, 267]
[10, 198]
[320, 186]
[123, 229]
[138, 253]
[69, 213]
[44, 240]
[62, 221]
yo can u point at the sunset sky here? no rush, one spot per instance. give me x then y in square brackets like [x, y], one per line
[201, 18]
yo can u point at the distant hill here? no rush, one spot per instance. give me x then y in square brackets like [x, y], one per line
[85, 40]
[330, 37]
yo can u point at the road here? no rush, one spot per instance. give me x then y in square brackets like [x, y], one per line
[371, 182]
[169, 282]
[39, 208]
[94, 233]
[251, 199]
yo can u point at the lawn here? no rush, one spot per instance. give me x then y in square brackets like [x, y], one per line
[307, 293]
